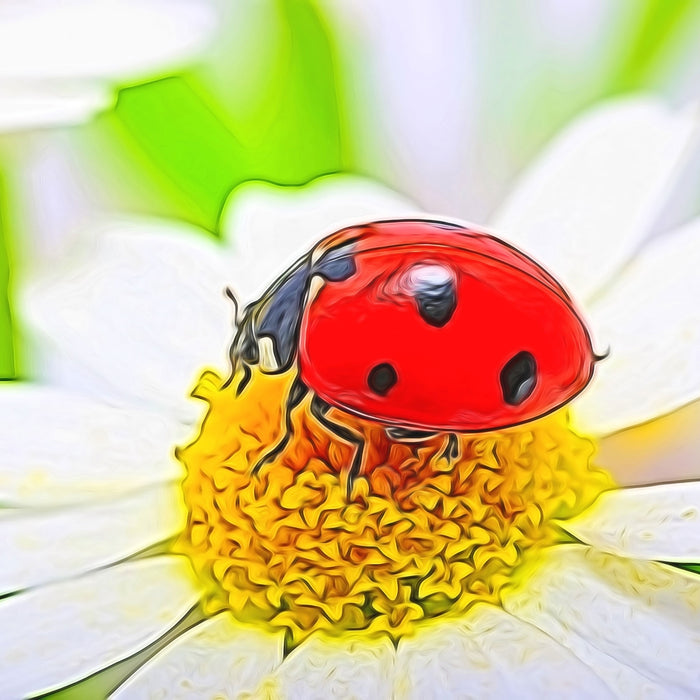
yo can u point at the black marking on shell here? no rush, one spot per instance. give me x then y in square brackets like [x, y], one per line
[435, 295]
[518, 378]
[381, 378]
[337, 264]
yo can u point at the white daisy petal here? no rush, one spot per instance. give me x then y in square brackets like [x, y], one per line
[650, 320]
[110, 39]
[636, 623]
[218, 658]
[269, 227]
[584, 206]
[41, 546]
[664, 450]
[136, 316]
[490, 654]
[323, 667]
[58, 634]
[60, 449]
[652, 522]
[36, 104]
[421, 134]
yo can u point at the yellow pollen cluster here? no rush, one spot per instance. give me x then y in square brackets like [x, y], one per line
[419, 536]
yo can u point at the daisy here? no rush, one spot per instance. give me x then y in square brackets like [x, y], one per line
[567, 586]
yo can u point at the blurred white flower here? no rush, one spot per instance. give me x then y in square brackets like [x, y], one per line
[60, 62]
[448, 107]
[88, 469]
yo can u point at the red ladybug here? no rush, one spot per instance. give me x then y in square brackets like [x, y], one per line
[422, 326]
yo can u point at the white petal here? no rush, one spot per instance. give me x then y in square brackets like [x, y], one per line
[41, 546]
[270, 227]
[490, 654]
[650, 320]
[135, 317]
[666, 449]
[58, 634]
[111, 39]
[218, 658]
[60, 449]
[636, 623]
[653, 522]
[36, 104]
[589, 200]
[420, 133]
[322, 667]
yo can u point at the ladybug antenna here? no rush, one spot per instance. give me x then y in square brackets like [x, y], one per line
[236, 306]
[598, 358]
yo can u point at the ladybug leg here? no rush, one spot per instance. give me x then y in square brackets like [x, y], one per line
[296, 394]
[451, 451]
[408, 434]
[319, 410]
[245, 379]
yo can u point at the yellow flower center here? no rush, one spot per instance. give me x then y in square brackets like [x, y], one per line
[418, 537]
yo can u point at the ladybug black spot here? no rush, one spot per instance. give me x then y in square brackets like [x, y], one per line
[381, 378]
[518, 378]
[433, 287]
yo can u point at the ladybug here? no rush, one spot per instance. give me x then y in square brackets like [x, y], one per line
[425, 327]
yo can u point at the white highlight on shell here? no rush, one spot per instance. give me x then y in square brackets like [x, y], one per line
[428, 275]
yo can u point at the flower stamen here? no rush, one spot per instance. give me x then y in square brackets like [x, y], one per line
[418, 537]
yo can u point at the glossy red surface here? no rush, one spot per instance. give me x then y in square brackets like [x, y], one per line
[447, 377]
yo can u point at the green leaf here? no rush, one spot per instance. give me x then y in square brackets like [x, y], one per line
[695, 568]
[172, 123]
[292, 138]
[7, 351]
[654, 27]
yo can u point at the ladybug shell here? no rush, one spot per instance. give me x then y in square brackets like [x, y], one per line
[437, 327]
